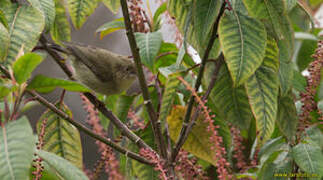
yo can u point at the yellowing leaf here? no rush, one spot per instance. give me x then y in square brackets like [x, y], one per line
[198, 142]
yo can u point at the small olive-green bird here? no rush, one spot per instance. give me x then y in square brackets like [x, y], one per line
[99, 69]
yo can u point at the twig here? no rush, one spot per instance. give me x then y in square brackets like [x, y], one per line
[96, 102]
[183, 133]
[190, 125]
[87, 130]
[82, 127]
[147, 101]
[165, 54]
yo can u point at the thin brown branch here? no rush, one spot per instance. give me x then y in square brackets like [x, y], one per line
[183, 133]
[87, 130]
[141, 76]
[165, 54]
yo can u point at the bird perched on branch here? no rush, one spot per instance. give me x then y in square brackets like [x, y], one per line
[101, 70]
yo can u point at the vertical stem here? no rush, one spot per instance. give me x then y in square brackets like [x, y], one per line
[147, 101]
[183, 133]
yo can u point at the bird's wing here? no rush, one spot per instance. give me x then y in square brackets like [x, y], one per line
[90, 58]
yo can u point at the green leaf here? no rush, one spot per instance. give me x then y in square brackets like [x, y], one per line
[309, 157]
[123, 105]
[290, 4]
[181, 10]
[232, 103]
[17, 147]
[275, 13]
[243, 40]
[262, 90]
[61, 137]
[47, 7]
[60, 166]
[45, 84]
[304, 57]
[301, 18]
[61, 30]
[142, 171]
[266, 9]
[238, 5]
[157, 16]
[110, 27]
[3, 19]
[198, 141]
[4, 91]
[113, 5]
[271, 146]
[315, 134]
[25, 65]
[4, 42]
[149, 45]
[204, 14]
[287, 118]
[278, 166]
[26, 25]
[286, 76]
[79, 11]
[299, 81]
[168, 96]
[168, 55]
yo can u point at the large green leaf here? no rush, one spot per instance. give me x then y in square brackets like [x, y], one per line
[232, 103]
[266, 9]
[278, 166]
[315, 134]
[25, 65]
[309, 157]
[123, 105]
[47, 7]
[61, 167]
[113, 5]
[299, 81]
[286, 76]
[204, 14]
[181, 10]
[168, 96]
[243, 40]
[290, 4]
[305, 52]
[26, 23]
[110, 27]
[61, 137]
[198, 141]
[45, 84]
[149, 45]
[301, 19]
[262, 90]
[287, 119]
[61, 30]
[17, 145]
[3, 19]
[4, 42]
[275, 13]
[79, 10]
[157, 19]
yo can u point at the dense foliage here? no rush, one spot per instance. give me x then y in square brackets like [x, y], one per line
[250, 108]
